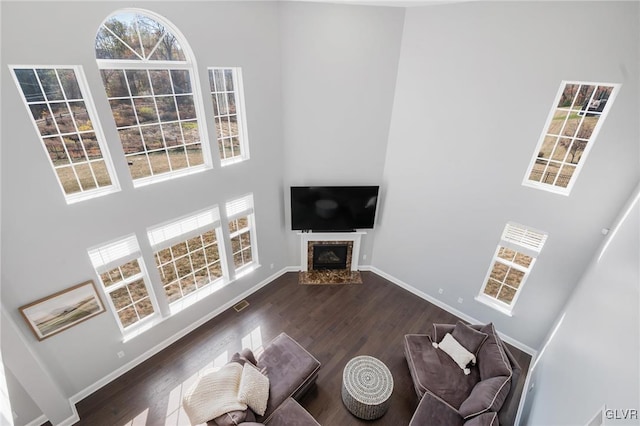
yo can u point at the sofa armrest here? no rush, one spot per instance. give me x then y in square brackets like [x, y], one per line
[435, 411]
[515, 377]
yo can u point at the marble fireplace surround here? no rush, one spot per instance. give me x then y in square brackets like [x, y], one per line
[308, 239]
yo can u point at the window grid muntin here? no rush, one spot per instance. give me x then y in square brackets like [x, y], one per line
[77, 190]
[162, 125]
[215, 263]
[124, 283]
[223, 121]
[242, 251]
[563, 183]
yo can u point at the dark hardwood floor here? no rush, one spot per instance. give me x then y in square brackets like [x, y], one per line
[334, 323]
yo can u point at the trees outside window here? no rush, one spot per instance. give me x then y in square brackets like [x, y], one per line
[149, 78]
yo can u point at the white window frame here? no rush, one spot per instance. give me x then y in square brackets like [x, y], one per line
[117, 253]
[180, 230]
[97, 130]
[522, 239]
[236, 209]
[238, 93]
[189, 65]
[551, 187]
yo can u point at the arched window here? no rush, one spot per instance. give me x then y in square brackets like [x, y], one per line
[149, 76]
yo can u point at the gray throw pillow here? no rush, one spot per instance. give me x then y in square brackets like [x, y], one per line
[492, 360]
[486, 395]
[468, 337]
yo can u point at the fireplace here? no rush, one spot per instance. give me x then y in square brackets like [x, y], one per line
[329, 256]
[311, 240]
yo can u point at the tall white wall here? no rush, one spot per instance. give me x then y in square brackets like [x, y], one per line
[475, 83]
[45, 241]
[593, 356]
[339, 67]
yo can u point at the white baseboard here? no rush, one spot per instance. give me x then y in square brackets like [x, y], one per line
[37, 422]
[162, 345]
[448, 308]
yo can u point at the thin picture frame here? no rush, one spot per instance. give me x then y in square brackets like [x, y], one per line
[62, 310]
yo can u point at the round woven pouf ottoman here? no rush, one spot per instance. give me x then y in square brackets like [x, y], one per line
[366, 387]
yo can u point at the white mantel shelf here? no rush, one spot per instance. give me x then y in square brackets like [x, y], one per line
[305, 237]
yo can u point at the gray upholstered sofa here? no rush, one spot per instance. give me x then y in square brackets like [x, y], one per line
[447, 395]
[291, 371]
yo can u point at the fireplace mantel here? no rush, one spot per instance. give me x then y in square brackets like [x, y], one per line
[307, 237]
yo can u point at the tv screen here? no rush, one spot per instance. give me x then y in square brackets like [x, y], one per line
[333, 208]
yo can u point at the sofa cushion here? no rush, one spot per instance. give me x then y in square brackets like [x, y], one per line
[254, 389]
[487, 395]
[469, 337]
[290, 369]
[492, 360]
[433, 411]
[214, 394]
[456, 351]
[290, 413]
[484, 419]
[434, 371]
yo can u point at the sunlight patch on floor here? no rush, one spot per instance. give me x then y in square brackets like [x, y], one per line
[176, 415]
[139, 420]
[253, 340]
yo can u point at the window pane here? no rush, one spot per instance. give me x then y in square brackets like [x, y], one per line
[523, 260]
[499, 271]
[114, 83]
[138, 83]
[144, 308]
[49, 80]
[514, 278]
[120, 298]
[492, 288]
[128, 316]
[173, 292]
[506, 294]
[69, 84]
[131, 268]
[159, 162]
[29, 85]
[139, 166]
[138, 290]
[160, 82]
[68, 180]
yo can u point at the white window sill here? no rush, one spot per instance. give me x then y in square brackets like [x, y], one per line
[246, 269]
[233, 160]
[196, 296]
[169, 175]
[88, 195]
[492, 303]
[547, 187]
[142, 326]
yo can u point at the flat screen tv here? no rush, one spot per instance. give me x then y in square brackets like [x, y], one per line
[333, 208]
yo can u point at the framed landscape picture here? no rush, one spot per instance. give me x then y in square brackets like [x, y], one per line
[62, 310]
